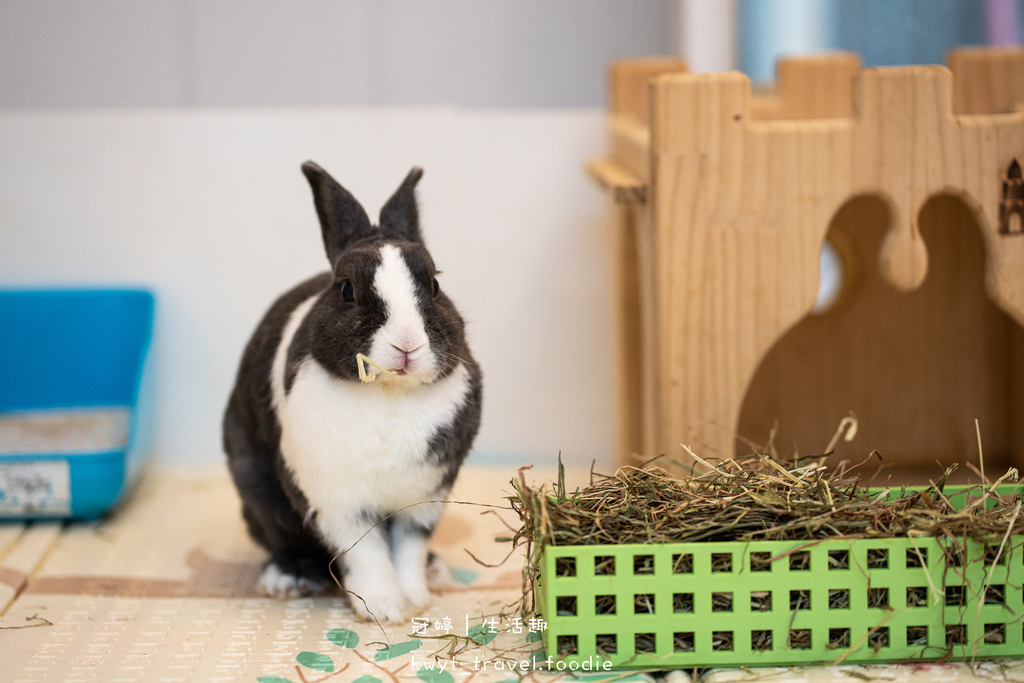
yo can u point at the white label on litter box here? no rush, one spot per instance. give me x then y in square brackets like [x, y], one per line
[36, 487]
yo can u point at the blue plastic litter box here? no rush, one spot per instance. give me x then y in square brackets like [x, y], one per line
[72, 368]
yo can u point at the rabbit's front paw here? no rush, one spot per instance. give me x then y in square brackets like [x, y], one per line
[377, 596]
[386, 609]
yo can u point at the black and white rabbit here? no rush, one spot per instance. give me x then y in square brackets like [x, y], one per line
[327, 464]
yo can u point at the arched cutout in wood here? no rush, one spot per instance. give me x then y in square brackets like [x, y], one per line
[916, 368]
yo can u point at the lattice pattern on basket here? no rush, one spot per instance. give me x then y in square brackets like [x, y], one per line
[781, 602]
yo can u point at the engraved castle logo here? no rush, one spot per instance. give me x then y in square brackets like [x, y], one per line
[1011, 208]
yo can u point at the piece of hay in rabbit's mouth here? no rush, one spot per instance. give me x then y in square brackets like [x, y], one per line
[362, 360]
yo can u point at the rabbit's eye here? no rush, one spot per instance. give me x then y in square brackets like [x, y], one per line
[348, 292]
[435, 288]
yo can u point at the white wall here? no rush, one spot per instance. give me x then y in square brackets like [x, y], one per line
[706, 34]
[208, 208]
[148, 143]
[491, 53]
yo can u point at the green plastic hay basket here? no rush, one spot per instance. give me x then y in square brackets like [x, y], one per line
[769, 603]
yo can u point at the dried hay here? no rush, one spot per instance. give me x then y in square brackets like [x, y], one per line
[755, 498]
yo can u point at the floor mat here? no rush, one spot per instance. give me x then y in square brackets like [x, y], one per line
[165, 590]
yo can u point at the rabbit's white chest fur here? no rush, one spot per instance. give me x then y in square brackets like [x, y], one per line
[356, 449]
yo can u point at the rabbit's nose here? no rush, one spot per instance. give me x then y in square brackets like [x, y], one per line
[407, 349]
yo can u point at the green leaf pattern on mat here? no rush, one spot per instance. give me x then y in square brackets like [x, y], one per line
[434, 676]
[342, 637]
[397, 650]
[316, 661]
[463, 576]
[481, 634]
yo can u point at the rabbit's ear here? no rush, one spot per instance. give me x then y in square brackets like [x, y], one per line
[400, 217]
[341, 216]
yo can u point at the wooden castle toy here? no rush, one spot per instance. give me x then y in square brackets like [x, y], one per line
[724, 201]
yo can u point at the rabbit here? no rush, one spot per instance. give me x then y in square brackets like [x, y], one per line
[331, 466]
